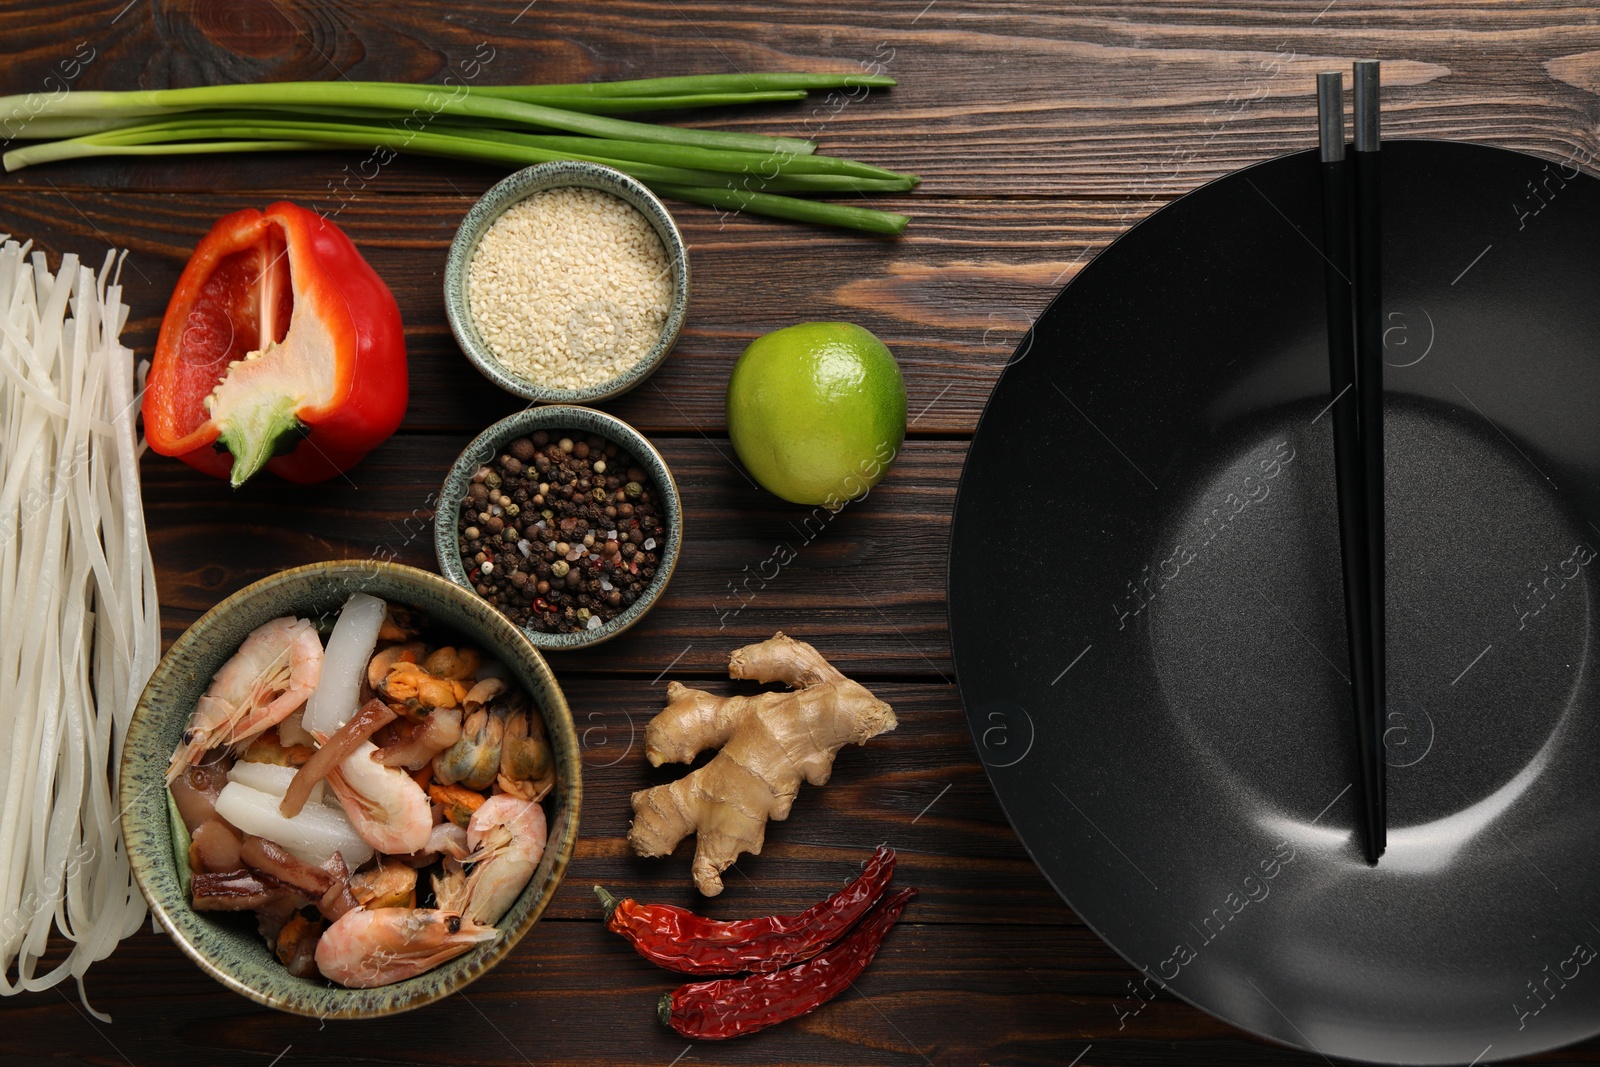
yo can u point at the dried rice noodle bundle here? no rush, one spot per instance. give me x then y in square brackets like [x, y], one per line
[81, 626]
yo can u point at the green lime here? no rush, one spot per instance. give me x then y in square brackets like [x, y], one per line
[817, 411]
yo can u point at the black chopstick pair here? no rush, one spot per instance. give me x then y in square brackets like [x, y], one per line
[1355, 368]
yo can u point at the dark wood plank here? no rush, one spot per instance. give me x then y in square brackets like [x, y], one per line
[1005, 96]
[573, 993]
[951, 299]
[867, 584]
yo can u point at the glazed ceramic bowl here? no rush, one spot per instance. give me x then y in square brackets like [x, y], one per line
[491, 443]
[491, 206]
[226, 946]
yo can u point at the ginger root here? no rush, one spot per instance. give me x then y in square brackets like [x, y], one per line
[769, 742]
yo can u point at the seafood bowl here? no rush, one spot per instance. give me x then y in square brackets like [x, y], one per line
[488, 444]
[227, 946]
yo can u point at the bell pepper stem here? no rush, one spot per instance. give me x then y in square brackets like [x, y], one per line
[256, 434]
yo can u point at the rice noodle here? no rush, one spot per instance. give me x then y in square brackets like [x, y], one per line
[81, 627]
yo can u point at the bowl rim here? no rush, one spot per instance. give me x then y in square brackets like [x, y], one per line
[517, 187]
[447, 518]
[564, 846]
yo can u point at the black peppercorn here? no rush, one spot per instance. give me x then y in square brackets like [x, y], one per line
[583, 495]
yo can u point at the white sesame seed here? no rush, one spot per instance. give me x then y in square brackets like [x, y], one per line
[570, 287]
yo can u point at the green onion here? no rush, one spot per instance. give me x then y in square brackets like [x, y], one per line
[483, 146]
[788, 207]
[222, 123]
[626, 105]
[421, 100]
[705, 158]
[694, 83]
[507, 125]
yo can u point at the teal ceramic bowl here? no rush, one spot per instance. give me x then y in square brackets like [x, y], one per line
[492, 442]
[227, 947]
[491, 206]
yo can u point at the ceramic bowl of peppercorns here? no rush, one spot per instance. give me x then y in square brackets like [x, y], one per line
[565, 519]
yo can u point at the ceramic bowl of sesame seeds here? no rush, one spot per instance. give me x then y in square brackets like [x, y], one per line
[567, 282]
[565, 519]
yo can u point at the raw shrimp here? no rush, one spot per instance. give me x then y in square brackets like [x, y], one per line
[374, 948]
[507, 837]
[447, 842]
[385, 805]
[271, 676]
[448, 839]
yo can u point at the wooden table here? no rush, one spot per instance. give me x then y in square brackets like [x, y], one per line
[1042, 132]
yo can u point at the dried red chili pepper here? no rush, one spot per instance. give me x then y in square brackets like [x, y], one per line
[680, 940]
[731, 1007]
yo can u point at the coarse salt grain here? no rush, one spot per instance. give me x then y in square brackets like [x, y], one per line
[570, 287]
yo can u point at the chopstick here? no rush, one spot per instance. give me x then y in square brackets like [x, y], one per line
[1369, 384]
[1349, 456]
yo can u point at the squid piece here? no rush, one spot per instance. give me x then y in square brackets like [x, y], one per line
[269, 858]
[318, 832]
[214, 848]
[335, 749]
[239, 890]
[196, 789]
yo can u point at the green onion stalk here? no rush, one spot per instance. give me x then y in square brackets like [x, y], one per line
[506, 125]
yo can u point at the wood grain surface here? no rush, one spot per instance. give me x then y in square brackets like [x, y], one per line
[1042, 131]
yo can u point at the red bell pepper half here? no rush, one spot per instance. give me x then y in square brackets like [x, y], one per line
[280, 348]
